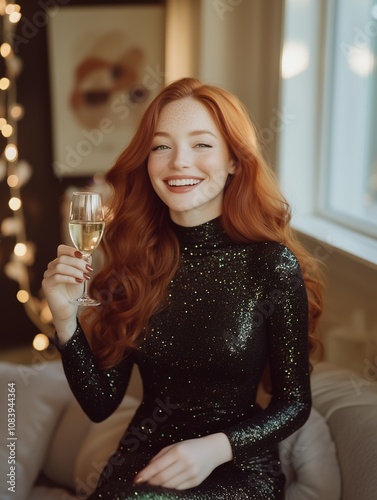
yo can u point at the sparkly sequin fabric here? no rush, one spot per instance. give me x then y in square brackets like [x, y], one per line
[230, 309]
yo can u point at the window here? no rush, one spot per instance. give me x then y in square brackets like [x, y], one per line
[349, 176]
[327, 156]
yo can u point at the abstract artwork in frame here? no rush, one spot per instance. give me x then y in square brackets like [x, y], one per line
[106, 65]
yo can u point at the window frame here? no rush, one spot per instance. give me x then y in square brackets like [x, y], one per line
[302, 182]
[323, 208]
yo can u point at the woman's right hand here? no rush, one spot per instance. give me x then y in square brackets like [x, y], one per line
[63, 281]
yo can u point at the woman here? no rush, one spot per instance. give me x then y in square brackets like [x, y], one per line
[205, 288]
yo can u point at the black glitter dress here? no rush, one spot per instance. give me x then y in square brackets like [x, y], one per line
[231, 308]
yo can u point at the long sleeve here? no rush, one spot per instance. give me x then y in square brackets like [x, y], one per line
[286, 318]
[99, 392]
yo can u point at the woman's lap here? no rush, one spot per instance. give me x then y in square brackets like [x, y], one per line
[265, 481]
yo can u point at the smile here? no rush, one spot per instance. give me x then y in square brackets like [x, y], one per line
[183, 182]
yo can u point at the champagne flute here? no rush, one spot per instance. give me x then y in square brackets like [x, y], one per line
[86, 226]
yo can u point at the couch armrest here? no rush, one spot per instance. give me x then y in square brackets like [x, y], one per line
[351, 413]
[41, 392]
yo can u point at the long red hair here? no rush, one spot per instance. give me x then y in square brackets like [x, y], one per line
[140, 249]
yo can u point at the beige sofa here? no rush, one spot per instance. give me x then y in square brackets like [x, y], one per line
[60, 453]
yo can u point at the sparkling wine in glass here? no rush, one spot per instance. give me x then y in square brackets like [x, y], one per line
[86, 226]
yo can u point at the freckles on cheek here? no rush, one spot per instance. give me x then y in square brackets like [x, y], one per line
[154, 165]
[154, 173]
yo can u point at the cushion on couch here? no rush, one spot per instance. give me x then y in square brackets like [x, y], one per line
[65, 445]
[335, 388]
[79, 448]
[41, 393]
[348, 401]
[307, 455]
[356, 443]
[100, 442]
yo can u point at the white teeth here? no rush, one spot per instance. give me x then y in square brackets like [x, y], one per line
[183, 182]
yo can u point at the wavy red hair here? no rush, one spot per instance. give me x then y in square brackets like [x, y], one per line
[140, 249]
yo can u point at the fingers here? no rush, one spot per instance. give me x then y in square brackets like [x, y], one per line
[67, 250]
[71, 252]
[170, 468]
[68, 267]
[158, 463]
[183, 465]
[62, 273]
[173, 477]
[162, 452]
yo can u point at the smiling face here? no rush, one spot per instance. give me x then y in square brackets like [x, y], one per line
[189, 162]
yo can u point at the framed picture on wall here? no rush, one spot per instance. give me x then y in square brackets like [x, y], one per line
[106, 65]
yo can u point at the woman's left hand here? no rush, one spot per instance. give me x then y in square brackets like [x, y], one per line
[187, 463]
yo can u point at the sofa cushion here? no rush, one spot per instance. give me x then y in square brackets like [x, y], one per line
[79, 448]
[348, 401]
[65, 445]
[309, 454]
[335, 388]
[41, 393]
[356, 441]
[100, 442]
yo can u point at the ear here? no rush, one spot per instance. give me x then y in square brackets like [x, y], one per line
[233, 167]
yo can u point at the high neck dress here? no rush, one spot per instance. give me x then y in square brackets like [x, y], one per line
[231, 308]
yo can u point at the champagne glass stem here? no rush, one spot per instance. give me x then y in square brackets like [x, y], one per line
[85, 291]
[85, 295]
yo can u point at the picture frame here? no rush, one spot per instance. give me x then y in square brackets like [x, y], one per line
[106, 65]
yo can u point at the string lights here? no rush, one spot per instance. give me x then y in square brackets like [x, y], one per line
[17, 172]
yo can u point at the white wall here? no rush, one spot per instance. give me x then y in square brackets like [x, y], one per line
[234, 44]
[349, 322]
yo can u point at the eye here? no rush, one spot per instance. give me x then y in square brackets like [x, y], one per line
[160, 147]
[203, 145]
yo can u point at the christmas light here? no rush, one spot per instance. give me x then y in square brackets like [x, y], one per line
[11, 152]
[4, 83]
[14, 203]
[7, 130]
[23, 172]
[12, 180]
[23, 296]
[16, 112]
[5, 50]
[17, 172]
[14, 17]
[46, 315]
[41, 342]
[11, 226]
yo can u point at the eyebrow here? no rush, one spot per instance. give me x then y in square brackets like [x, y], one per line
[193, 133]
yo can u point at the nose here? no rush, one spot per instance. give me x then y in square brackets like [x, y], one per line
[180, 157]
